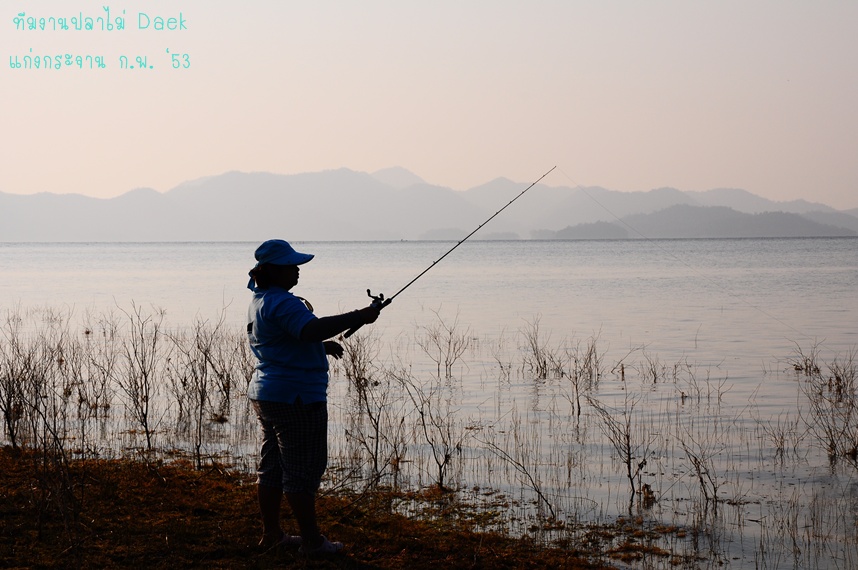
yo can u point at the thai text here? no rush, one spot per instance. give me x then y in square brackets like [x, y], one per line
[102, 22]
[33, 60]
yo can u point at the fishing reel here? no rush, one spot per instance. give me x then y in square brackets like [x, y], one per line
[378, 301]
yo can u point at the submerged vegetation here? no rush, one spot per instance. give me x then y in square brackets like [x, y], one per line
[518, 449]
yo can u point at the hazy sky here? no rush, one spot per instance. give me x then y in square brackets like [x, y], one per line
[760, 94]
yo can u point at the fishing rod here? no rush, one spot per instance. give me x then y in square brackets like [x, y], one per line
[380, 302]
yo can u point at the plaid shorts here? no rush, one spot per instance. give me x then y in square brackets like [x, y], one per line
[294, 445]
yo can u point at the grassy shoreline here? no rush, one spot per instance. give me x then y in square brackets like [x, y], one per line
[131, 514]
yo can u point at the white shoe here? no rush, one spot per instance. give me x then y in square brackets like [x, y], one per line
[327, 547]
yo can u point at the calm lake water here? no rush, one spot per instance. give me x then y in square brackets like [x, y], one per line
[733, 312]
[742, 301]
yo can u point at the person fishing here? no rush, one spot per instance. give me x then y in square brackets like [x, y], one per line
[288, 391]
[289, 386]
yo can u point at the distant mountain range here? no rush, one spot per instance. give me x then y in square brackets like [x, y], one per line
[394, 204]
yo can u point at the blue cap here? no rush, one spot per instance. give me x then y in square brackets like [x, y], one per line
[277, 252]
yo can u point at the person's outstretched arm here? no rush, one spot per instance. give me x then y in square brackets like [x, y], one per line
[324, 328]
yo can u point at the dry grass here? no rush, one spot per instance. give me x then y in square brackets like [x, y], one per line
[127, 514]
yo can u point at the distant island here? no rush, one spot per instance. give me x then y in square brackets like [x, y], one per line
[686, 221]
[394, 204]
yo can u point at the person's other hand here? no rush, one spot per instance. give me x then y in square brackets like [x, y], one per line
[333, 348]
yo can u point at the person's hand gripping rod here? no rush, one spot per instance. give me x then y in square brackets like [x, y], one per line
[378, 301]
